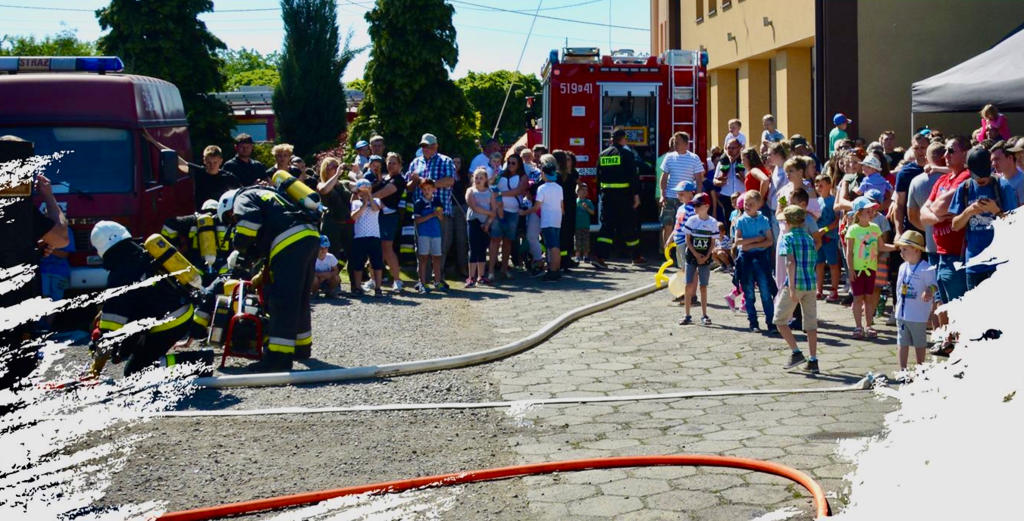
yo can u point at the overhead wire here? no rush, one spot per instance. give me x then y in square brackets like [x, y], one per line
[519, 63]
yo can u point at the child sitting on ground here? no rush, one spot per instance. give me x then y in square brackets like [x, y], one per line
[864, 243]
[326, 271]
[797, 247]
[700, 230]
[429, 212]
[721, 253]
[917, 286]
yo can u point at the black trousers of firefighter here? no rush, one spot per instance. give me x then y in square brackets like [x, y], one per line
[152, 345]
[618, 222]
[290, 329]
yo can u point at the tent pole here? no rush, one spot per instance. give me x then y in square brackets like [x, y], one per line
[912, 129]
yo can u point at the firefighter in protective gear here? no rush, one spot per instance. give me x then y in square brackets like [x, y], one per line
[165, 300]
[188, 235]
[269, 226]
[619, 199]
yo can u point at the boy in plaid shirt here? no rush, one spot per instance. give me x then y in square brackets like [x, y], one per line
[797, 246]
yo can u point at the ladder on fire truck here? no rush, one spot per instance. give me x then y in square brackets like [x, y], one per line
[683, 69]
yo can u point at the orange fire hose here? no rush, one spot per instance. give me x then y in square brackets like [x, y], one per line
[821, 506]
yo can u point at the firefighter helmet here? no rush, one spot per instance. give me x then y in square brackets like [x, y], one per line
[226, 204]
[106, 234]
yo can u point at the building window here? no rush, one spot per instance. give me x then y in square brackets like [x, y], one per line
[712, 7]
[700, 10]
[726, 4]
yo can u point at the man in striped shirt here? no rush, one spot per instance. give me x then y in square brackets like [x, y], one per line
[440, 169]
[797, 246]
[679, 166]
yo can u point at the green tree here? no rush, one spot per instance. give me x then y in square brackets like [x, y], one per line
[165, 39]
[310, 100]
[408, 89]
[486, 92]
[249, 67]
[64, 43]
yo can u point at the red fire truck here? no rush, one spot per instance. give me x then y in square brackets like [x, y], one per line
[587, 95]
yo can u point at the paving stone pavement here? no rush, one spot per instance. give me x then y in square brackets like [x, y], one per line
[639, 348]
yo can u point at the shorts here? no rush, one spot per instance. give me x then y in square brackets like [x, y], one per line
[785, 306]
[828, 254]
[863, 284]
[388, 226]
[505, 228]
[53, 286]
[582, 240]
[680, 255]
[668, 212]
[702, 273]
[428, 246]
[911, 334]
[366, 248]
[952, 282]
[551, 236]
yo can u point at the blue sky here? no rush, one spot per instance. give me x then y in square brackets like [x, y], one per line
[488, 39]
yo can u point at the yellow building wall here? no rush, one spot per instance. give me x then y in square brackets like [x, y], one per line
[897, 49]
[792, 25]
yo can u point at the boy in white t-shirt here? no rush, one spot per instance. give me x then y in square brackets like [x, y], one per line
[916, 286]
[326, 270]
[701, 232]
[550, 205]
[734, 134]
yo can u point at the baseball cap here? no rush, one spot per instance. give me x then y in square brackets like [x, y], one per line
[840, 118]
[863, 203]
[794, 214]
[325, 242]
[361, 143]
[872, 161]
[797, 140]
[363, 183]
[1017, 147]
[428, 139]
[375, 157]
[376, 138]
[618, 133]
[701, 200]
[685, 186]
[912, 238]
[874, 194]
[979, 162]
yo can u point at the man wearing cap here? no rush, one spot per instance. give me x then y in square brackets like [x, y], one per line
[1003, 163]
[838, 132]
[248, 170]
[440, 169]
[678, 166]
[618, 200]
[362, 153]
[976, 203]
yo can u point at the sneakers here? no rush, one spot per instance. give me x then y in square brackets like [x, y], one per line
[796, 358]
[772, 331]
[377, 293]
[397, 286]
[687, 320]
[812, 366]
[551, 276]
[483, 281]
[470, 283]
[731, 301]
[891, 321]
[705, 320]
[598, 263]
[722, 268]
[422, 288]
[833, 298]
[442, 286]
[369, 285]
[820, 295]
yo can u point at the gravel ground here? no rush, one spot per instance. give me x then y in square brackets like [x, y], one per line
[193, 462]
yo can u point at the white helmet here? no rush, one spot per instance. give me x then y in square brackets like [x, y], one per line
[106, 234]
[209, 205]
[226, 204]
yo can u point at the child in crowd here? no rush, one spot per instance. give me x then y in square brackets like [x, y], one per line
[770, 133]
[483, 207]
[737, 288]
[864, 243]
[326, 273]
[700, 230]
[721, 254]
[797, 247]
[882, 274]
[873, 180]
[917, 286]
[828, 226]
[428, 215]
[551, 206]
[754, 238]
[796, 170]
[991, 118]
[366, 241]
[685, 190]
[55, 271]
[584, 212]
[734, 134]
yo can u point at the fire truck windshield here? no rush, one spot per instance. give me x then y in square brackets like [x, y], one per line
[96, 160]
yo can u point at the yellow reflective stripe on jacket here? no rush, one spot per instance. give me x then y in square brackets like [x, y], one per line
[281, 345]
[633, 243]
[181, 315]
[283, 241]
[112, 322]
[107, 325]
[247, 228]
[304, 339]
[604, 240]
[171, 359]
[169, 232]
[605, 186]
